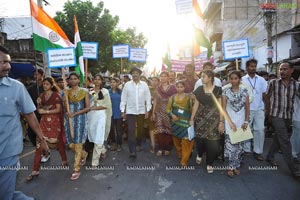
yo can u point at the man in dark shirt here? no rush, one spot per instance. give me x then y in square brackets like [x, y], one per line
[34, 91]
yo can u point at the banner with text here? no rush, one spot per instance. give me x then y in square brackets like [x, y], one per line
[179, 65]
[121, 51]
[59, 58]
[90, 50]
[236, 49]
[138, 55]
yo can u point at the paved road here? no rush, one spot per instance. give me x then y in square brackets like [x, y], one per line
[149, 178]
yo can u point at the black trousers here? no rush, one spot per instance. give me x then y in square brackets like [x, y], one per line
[135, 124]
[211, 147]
[281, 140]
[115, 134]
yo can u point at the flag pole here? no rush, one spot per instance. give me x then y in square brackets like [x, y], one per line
[66, 100]
[121, 66]
[86, 72]
[236, 64]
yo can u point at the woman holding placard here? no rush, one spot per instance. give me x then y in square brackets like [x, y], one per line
[235, 100]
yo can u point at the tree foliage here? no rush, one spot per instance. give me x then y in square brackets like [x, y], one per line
[96, 24]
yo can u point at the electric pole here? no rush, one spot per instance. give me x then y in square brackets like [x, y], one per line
[269, 11]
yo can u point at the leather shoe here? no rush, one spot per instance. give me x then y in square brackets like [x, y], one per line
[272, 163]
[258, 157]
[132, 155]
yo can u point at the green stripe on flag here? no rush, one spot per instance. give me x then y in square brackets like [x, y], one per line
[202, 41]
[42, 44]
[79, 55]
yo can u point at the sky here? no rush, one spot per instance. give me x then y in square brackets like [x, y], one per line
[156, 19]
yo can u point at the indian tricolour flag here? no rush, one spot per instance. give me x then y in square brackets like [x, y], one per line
[46, 32]
[79, 53]
[200, 38]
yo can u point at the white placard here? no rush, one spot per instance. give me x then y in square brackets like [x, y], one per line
[121, 51]
[184, 6]
[90, 50]
[138, 55]
[236, 49]
[58, 58]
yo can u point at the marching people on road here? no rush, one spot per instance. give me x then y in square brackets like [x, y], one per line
[14, 99]
[281, 95]
[50, 109]
[150, 120]
[34, 91]
[162, 122]
[77, 104]
[258, 85]
[190, 78]
[295, 138]
[116, 131]
[135, 106]
[179, 109]
[98, 117]
[208, 66]
[235, 100]
[207, 119]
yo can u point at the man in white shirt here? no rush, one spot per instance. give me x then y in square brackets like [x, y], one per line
[295, 138]
[217, 81]
[135, 105]
[258, 85]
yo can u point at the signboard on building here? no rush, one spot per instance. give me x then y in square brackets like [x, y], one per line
[59, 58]
[234, 49]
[90, 50]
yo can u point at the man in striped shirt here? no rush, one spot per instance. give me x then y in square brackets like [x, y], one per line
[281, 94]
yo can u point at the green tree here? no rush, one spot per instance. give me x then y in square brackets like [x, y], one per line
[96, 24]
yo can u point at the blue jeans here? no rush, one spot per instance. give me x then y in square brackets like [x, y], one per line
[295, 138]
[8, 180]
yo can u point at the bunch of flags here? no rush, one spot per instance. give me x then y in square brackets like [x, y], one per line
[48, 34]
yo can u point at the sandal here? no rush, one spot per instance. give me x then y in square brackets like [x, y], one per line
[152, 149]
[167, 153]
[209, 169]
[32, 176]
[230, 173]
[198, 160]
[64, 163]
[158, 153]
[237, 172]
[83, 159]
[75, 176]
[103, 155]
